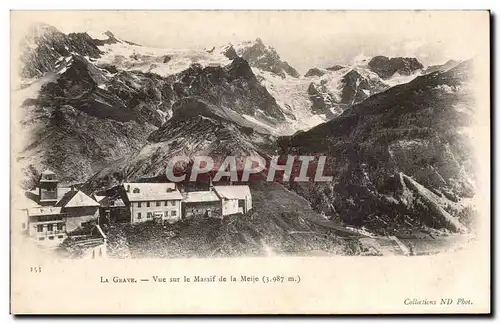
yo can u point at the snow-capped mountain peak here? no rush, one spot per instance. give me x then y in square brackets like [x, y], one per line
[260, 56]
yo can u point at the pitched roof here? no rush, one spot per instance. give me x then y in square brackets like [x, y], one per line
[99, 198]
[200, 196]
[151, 191]
[119, 203]
[233, 192]
[111, 202]
[47, 172]
[77, 199]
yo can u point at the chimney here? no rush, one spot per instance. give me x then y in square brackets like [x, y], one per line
[128, 188]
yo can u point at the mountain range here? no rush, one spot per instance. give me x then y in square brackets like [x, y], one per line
[401, 157]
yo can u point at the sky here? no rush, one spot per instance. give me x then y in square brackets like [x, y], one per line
[305, 39]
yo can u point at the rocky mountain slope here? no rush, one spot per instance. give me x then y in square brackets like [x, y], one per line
[334, 89]
[441, 67]
[197, 128]
[386, 67]
[261, 57]
[85, 113]
[91, 101]
[400, 159]
[331, 92]
[44, 45]
[318, 96]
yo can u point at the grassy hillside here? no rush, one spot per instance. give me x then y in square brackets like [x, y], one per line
[282, 223]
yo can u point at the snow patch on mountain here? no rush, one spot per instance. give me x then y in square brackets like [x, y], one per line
[163, 62]
[97, 35]
[291, 95]
[398, 79]
[294, 97]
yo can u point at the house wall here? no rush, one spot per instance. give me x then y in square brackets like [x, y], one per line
[119, 214]
[56, 234]
[196, 209]
[229, 206]
[75, 216]
[21, 217]
[245, 204]
[166, 210]
[249, 203]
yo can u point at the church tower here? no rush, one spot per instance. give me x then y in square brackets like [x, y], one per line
[47, 188]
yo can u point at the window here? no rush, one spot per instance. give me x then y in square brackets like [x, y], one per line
[51, 237]
[174, 213]
[60, 236]
[39, 228]
[173, 202]
[50, 227]
[166, 212]
[139, 204]
[24, 225]
[136, 190]
[41, 238]
[59, 227]
[139, 216]
[149, 215]
[147, 204]
[158, 203]
[166, 202]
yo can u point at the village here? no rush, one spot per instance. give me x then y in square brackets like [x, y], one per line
[58, 214]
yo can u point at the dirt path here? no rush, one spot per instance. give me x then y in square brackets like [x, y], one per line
[413, 244]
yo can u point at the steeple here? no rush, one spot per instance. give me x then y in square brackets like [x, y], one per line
[48, 175]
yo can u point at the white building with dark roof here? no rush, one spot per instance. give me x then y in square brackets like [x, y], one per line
[46, 223]
[164, 202]
[201, 203]
[153, 201]
[234, 199]
[218, 201]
